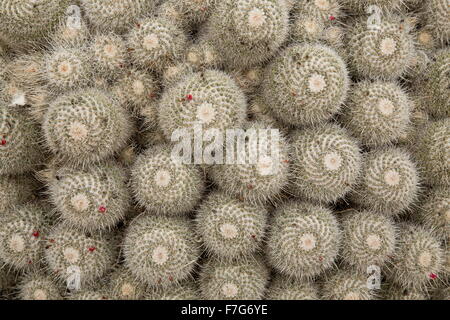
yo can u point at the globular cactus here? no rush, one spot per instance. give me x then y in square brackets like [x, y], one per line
[156, 43]
[259, 111]
[91, 199]
[175, 73]
[26, 71]
[442, 294]
[7, 282]
[91, 295]
[367, 239]
[249, 79]
[378, 113]
[15, 191]
[160, 251]
[361, 6]
[124, 286]
[210, 98]
[434, 212]
[248, 32]
[383, 51]
[22, 231]
[347, 285]
[283, 288]
[393, 291]
[306, 84]
[70, 252]
[117, 16]
[20, 138]
[243, 279]
[326, 163]
[230, 229]
[303, 240]
[259, 181]
[436, 14]
[432, 151]
[203, 55]
[164, 186]
[37, 286]
[418, 260]
[109, 54]
[186, 290]
[68, 34]
[389, 182]
[189, 12]
[85, 126]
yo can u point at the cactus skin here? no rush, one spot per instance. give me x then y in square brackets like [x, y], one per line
[160, 250]
[346, 285]
[378, 113]
[389, 182]
[89, 295]
[367, 239]
[384, 53]
[66, 248]
[361, 6]
[39, 287]
[248, 32]
[185, 290]
[244, 279]
[156, 43]
[85, 126]
[282, 288]
[442, 294]
[260, 182]
[21, 234]
[163, 186]
[434, 213]
[189, 12]
[175, 73]
[303, 240]
[395, 292]
[110, 55]
[418, 258]
[432, 152]
[15, 191]
[230, 229]
[124, 286]
[306, 84]
[326, 163]
[203, 55]
[437, 15]
[210, 97]
[19, 142]
[69, 36]
[92, 199]
[117, 16]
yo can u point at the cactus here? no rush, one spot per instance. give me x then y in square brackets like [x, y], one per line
[89, 295]
[185, 290]
[92, 199]
[230, 229]
[306, 84]
[156, 43]
[175, 73]
[243, 279]
[395, 292]
[160, 250]
[21, 234]
[19, 141]
[210, 98]
[346, 285]
[432, 152]
[367, 239]
[361, 6]
[389, 182]
[436, 14]
[124, 286]
[418, 260]
[164, 186]
[69, 250]
[383, 52]
[282, 288]
[67, 35]
[303, 240]
[189, 12]
[326, 163]
[378, 113]
[203, 55]
[85, 126]
[109, 54]
[434, 212]
[38, 286]
[15, 191]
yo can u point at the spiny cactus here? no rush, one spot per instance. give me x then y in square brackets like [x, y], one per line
[383, 52]
[210, 98]
[85, 126]
[19, 141]
[156, 43]
[71, 35]
[164, 186]
[395, 292]
[326, 163]
[306, 84]
[346, 285]
[243, 279]
[22, 231]
[378, 112]
[283, 288]
[109, 54]
[367, 239]
[437, 15]
[185, 290]
[361, 6]
[248, 32]
[433, 152]
[203, 55]
[175, 73]
[90, 199]
[230, 229]
[389, 182]
[418, 260]
[249, 79]
[89, 295]
[191, 12]
[160, 250]
[124, 286]
[303, 240]
[15, 191]
[37, 286]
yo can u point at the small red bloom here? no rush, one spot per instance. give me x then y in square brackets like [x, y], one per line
[3, 142]
[92, 249]
[171, 278]
[189, 97]
[102, 209]
[433, 276]
[36, 234]
[332, 18]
